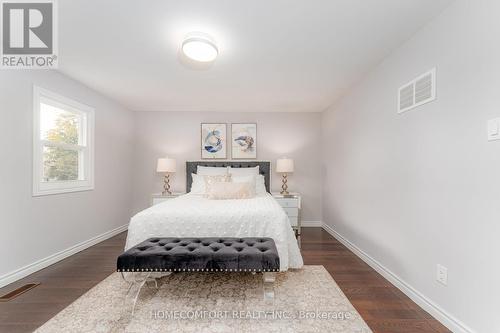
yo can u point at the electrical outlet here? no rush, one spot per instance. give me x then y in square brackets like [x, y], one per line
[442, 274]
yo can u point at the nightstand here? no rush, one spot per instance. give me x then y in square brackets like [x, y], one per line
[291, 204]
[157, 198]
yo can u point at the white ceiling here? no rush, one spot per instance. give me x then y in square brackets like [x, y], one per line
[275, 55]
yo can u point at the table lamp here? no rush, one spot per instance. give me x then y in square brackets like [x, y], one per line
[167, 166]
[284, 166]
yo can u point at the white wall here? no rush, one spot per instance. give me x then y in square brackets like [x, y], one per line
[423, 187]
[33, 228]
[177, 134]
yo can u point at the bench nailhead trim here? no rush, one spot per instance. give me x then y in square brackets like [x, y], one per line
[195, 270]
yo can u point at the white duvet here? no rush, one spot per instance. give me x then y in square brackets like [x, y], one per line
[192, 215]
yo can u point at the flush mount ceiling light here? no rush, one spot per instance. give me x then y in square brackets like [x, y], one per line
[199, 46]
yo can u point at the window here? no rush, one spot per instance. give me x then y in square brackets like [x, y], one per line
[63, 144]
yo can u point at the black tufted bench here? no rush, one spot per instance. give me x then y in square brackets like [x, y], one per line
[201, 255]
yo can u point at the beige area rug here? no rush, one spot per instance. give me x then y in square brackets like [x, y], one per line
[306, 300]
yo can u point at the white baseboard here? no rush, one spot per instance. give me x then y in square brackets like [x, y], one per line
[306, 224]
[52, 259]
[435, 310]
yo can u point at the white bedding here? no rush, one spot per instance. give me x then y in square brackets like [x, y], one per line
[192, 215]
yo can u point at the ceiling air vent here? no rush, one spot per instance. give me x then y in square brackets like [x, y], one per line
[418, 91]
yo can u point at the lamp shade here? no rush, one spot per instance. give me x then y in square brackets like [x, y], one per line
[284, 165]
[166, 165]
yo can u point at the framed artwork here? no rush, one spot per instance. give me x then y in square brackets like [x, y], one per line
[213, 141]
[244, 141]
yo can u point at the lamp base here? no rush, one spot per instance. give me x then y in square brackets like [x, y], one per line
[166, 185]
[284, 186]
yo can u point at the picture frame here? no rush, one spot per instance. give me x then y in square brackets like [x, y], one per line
[213, 141]
[243, 141]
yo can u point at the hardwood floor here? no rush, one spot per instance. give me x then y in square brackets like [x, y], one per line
[382, 306]
[61, 284]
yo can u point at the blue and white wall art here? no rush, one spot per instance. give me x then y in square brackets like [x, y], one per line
[213, 141]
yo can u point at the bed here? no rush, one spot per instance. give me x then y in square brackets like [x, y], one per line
[193, 215]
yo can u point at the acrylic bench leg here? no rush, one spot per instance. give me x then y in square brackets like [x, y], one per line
[130, 283]
[269, 278]
[139, 283]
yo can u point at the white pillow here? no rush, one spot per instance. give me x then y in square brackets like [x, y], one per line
[211, 171]
[258, 181]
[230, 190]
[260, 185]
[244, 171]
[246, 179]
[198, 184]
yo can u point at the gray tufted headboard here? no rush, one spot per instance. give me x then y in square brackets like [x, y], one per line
[264, 169]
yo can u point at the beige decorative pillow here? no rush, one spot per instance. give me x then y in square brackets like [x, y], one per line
[229, 190]
[210, 180]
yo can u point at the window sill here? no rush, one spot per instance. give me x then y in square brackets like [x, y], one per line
[39, 192]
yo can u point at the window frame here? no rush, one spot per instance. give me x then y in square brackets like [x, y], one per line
[85, 148]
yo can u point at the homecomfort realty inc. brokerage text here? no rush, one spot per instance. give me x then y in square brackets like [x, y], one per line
[249, 315]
